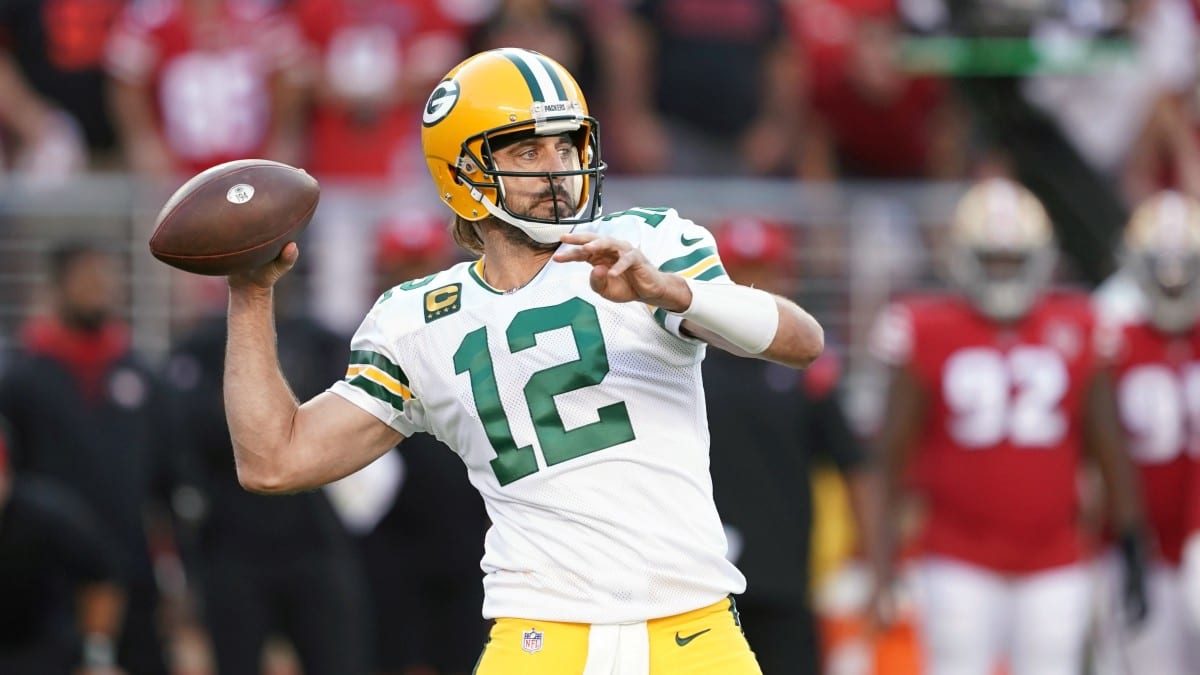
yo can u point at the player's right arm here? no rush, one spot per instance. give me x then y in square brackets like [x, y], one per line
[279, 444]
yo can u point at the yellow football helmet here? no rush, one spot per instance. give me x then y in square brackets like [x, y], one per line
[1001, 248]
[1162, 251]
[498, 93]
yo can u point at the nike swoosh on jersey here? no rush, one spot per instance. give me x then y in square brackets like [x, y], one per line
[688, 242]
[683, 641]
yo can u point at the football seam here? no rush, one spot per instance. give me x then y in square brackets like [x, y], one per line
[178, 256]
[185, 199]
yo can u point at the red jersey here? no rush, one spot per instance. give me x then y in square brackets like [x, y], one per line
[1000, 445]
[210, 77]
[1158, 394]
[1192, 516]
[391, 52]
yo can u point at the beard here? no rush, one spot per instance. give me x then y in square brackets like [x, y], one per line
[517, 237]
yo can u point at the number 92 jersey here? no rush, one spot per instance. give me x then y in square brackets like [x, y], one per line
[581, 422]
[999, 450]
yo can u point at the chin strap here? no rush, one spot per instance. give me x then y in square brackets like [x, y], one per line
[542, 233]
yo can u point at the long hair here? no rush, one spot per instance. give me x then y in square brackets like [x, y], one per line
[466, 235]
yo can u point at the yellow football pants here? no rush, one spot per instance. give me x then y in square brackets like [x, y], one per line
[706, 641]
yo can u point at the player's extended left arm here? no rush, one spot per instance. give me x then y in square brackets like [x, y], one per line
[739, 319]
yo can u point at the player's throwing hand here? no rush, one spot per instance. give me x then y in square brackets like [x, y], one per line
[621, 273]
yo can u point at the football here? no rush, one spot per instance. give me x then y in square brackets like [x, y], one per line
[234, 217]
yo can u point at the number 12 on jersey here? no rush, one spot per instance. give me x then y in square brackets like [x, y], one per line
[558, 444]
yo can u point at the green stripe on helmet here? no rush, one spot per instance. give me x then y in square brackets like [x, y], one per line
[535, 90]
[558, 84]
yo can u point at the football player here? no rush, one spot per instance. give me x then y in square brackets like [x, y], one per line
[562, 366]
[1190, 566]
[996, 397]
[1157, 375]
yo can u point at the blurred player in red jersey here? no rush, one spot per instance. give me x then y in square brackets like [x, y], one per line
[200, 82]
[1157, 369]
[996, 397]
[1190, 564]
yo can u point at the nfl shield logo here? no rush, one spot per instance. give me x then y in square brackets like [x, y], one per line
[532, 641]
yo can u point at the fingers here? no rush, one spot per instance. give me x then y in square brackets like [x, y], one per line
[599, 278]
[591, 247]
[288, 256]
[624, 262]
[268, 274]
[579, 237]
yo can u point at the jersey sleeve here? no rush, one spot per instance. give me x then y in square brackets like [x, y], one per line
[682, 247]
[376, 382]
[678, 246]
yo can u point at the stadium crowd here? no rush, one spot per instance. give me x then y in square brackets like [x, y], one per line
[1072, 546]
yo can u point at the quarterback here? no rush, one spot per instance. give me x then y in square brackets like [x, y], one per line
[562, 366]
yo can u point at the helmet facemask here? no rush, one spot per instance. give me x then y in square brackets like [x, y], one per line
[1001, 251]
[1170, 280]
[1003, 283]
[1162, 252]
[576, 191]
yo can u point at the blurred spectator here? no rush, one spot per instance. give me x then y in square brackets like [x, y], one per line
[86, 411]
[200, 82]
[558, 30]
[1066, 125]
[1116, 115]
[269, 565]
[701, 87]
[996, 401]
[422, 553]
[1155, 368]
[376, 62]
[47, 147]
[869, 119]
[768, 425]
[59, 578]
[57, 47]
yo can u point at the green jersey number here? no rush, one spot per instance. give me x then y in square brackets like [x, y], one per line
[558, 444]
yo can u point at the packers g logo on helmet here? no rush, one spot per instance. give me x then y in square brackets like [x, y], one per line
[441, 102]
[500, 93]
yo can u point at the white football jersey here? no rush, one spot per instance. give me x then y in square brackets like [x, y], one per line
[581, 421]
